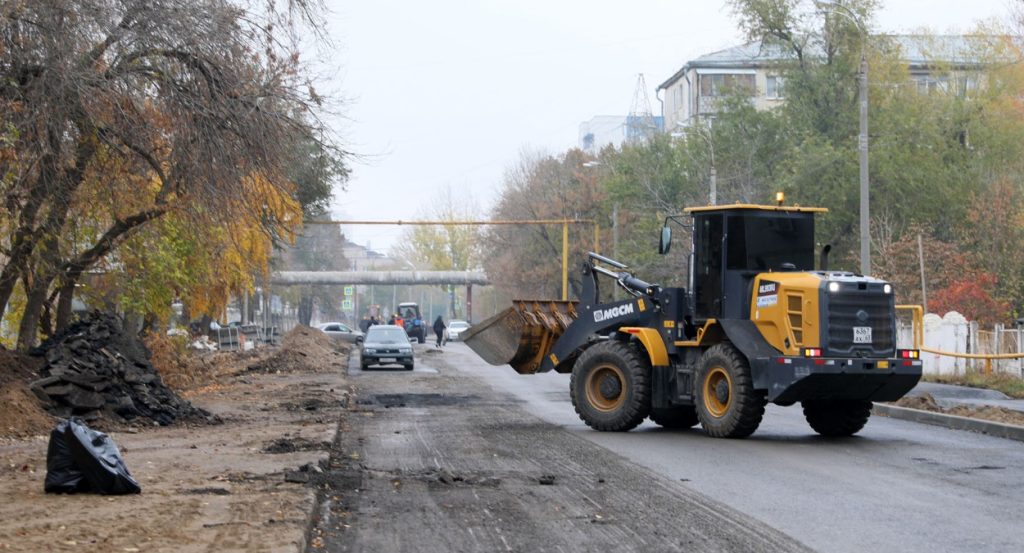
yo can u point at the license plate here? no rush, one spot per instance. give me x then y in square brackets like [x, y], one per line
[388, 359]
[862, 335]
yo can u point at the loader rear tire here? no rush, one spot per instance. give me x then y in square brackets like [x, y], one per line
[611, 387]
[728, 406]
[675, 417]
[837, 418]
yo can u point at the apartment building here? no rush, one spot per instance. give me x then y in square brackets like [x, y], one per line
[695, 90]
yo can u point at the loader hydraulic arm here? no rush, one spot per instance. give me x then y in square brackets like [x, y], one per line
[596, 320]
[632, 285]
[543, 335]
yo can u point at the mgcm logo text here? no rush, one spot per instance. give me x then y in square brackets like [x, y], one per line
[613, 312]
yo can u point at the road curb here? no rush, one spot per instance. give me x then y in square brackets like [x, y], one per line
[315, 505]
[997, 429]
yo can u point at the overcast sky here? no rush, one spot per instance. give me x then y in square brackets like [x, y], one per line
[449, 92]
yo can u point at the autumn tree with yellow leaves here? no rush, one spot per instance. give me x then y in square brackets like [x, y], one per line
[121, 121]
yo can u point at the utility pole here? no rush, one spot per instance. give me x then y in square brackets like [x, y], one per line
[862, 138]
[615, 231]
[615, 243]
[862, 146]
[713, 193]
[920, 259]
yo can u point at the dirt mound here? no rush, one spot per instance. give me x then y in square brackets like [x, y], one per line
[989, 413]
[94, 367]
[182, 368]
[926, 402]
[305, 349]
[21, 413]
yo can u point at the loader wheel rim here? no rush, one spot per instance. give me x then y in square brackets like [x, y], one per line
[717, 392]
[606, 388]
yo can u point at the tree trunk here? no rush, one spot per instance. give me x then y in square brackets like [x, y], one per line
[64, 302]
[8, 280]
[28, 329]
[46, 320]
[54, 183]
[252, 308]
[204, 325]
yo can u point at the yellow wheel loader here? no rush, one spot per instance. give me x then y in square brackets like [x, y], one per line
[756, 324]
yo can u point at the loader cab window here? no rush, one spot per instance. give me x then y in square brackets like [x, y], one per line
[708, 234]
[764, 243]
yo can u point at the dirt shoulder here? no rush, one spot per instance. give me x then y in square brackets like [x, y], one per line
[925, 402]
[207, 488]
[435, 460]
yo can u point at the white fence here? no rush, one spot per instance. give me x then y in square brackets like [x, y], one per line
[955, 334]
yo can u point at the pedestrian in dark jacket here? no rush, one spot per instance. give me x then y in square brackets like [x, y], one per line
[439, 330]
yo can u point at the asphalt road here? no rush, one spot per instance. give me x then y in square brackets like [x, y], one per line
[437, 460]
[896, 486]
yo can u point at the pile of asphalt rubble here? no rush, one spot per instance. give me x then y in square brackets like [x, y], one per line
[94, 368]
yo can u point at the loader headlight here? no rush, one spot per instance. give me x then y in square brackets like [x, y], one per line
[833, 287]
[887, 288]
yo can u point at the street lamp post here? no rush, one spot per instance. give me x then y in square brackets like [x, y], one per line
[713, 187]
[862, 138]
[862, 148]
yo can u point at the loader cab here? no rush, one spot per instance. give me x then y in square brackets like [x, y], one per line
[733, 244]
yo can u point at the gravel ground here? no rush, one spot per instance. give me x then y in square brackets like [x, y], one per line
[228, 487]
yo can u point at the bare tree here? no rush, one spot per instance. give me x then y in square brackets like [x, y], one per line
[444, 247]
[195, 103]
[526, 260]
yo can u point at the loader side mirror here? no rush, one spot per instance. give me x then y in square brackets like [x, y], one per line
[666, 240]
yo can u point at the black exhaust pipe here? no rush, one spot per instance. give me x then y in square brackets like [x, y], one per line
[823, 259]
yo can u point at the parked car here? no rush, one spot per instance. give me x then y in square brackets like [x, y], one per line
[455, 328]
[342, 332]
[386, 345]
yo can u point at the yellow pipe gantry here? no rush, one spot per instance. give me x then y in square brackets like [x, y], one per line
[565, 234]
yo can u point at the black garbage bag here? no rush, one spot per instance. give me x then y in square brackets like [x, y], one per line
[82, 460]
[62, 475]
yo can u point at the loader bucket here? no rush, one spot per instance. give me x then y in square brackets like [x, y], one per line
[521, 335]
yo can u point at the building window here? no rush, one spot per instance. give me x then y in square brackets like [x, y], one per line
[774, 88]
[928, 84]
[588, 141]
[967, 85]
[722, 84]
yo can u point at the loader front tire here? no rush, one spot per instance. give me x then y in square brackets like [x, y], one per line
[728, 406]
[675, 417]
[837, 418]
[611, 387]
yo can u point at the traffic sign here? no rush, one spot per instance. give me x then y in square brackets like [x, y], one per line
[346, 305]
[349, 290]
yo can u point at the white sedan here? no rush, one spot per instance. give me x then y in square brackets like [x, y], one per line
[455, 328]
